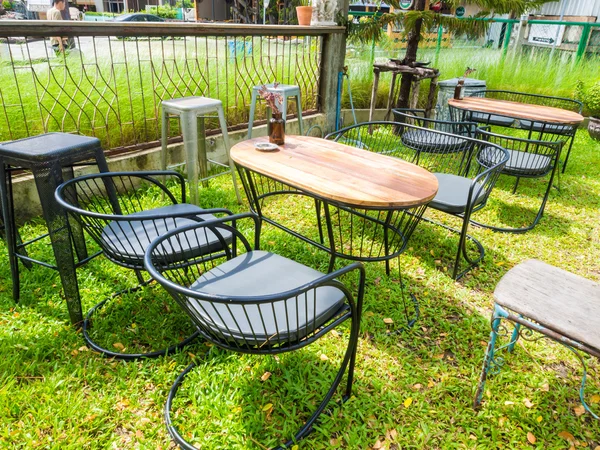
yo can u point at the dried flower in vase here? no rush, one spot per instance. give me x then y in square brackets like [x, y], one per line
[274, 99]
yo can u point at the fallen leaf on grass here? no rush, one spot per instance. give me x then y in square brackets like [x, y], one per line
[508, 402]
[408, 402]
[377, 445]
[595, 399]
[391, 435]
[388, 321]
[531, 438]
[75, 352]
[118, 346]
[579, 410]
[417, 386]
[528, 403]
[376, 281]
[265, 376]
[545, 387]
[323, 357]
[267, 407]
[567, 436]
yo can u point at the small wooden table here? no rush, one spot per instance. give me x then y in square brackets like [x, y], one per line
[521, 111]
[369, 188]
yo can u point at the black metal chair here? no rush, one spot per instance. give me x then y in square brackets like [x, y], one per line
[464, 183]
[546, 131]
[109, 207]
[252, 301]
[527, 159]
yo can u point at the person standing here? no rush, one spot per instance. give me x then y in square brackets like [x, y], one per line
[59, 44]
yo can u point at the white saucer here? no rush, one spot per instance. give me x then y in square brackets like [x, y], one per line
[266, 147]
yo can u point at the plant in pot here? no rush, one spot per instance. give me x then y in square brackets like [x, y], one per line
[591, 98]
[276, 124]
[304, 12]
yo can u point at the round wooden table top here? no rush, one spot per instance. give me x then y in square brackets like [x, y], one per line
[524, 111]
[340, 173]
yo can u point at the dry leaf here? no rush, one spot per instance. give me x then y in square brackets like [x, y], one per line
[528, 403]
[139, 434]
[84, 348]
[545, 387]
[323, 357]
[531, 438]
[472, 437]
[430, 384]
[75, 352]
[417, 386]
[119, 346]
[376, 281]
[333, 442]
[388, 321]
[597, 448]
[391, 435]
[567, 436]
[265, 376]
[595, 399]
[408, 402]
[501, 421]
[508, 402]
[579, 410]
[500, 263]
[267, 407]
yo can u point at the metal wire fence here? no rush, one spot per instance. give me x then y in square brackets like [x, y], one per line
[111, 84]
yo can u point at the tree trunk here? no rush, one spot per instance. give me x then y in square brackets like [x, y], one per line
[411, 56]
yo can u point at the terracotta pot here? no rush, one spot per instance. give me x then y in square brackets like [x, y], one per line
[276, 129]
[304, 14]
[594, 128]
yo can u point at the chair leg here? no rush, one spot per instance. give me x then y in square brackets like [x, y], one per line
[11, 231]
[87, 323]
[514, 337]
[189, 128]
[164, 133]
[299, 109]
[487, 360]
[568, 154]
[223, 125]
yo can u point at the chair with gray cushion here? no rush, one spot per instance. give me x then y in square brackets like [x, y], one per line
[251, 301]
[464, 183]
[109, 208]
[527, 159]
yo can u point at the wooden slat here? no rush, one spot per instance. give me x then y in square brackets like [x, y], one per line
[340, 173]
[45, 28]
[557, 299]
[525, 111]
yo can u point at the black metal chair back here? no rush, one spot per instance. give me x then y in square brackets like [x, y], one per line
[418, 117]
[527, 159]
[464, 183]
[533, 99]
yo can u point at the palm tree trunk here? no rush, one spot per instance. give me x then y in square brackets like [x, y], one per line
[411, 56]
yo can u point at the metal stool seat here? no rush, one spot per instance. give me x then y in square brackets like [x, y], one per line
[189, 110]
[286, 91]
[49, 157]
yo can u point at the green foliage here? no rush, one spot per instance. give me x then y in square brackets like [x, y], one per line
[7, 5]
[184, 4]
[591, 99]
[165, 11]
[303, 2]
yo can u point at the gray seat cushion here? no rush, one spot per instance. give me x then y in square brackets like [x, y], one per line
[519, 163]
[547, 128]
[493, 119]
[127, 240]
[453, 192]
[432, 142]
[260, 273]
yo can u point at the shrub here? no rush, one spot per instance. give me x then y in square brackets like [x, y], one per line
[592, 99]
[165, 11]
[7, 5]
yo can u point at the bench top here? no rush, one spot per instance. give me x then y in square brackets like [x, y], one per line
[559, 300]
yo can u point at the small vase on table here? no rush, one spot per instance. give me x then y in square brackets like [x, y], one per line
[276, 129]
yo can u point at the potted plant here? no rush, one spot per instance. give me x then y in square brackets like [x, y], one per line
[304, 12]
[591, 98]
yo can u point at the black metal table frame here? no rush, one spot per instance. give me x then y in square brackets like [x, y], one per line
[386, 218]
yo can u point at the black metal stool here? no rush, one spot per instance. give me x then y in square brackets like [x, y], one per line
[50, 157]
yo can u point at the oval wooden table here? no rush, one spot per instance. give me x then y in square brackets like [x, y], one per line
[533, 118]
[515, 110]
[371, 202]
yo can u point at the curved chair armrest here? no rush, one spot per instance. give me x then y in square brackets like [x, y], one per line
[486, 179]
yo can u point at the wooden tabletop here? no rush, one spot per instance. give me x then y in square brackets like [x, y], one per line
[525, 111]
[340, 173]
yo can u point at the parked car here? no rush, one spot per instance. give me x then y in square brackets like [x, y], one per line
[138, 17]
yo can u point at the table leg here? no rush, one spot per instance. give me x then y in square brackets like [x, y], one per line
[56, 221]
[202, 157]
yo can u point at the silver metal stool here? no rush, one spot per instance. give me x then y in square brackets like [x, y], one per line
[286, 90]
[191, 112]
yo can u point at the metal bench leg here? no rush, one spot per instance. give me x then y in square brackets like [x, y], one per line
[229, 161]
[488, 360]
[164, 133]
[514, 337]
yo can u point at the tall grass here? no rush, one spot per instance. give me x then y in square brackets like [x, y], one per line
[535, 72]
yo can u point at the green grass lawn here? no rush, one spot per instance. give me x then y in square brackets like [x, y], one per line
[413, 390]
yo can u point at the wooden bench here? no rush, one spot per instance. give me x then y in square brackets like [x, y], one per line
[558, 304]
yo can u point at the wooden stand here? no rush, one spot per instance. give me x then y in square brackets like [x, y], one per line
[419, 73]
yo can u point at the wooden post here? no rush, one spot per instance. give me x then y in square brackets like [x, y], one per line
[431, 97]
[414, 96]
[374, 93]
[390, 100]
